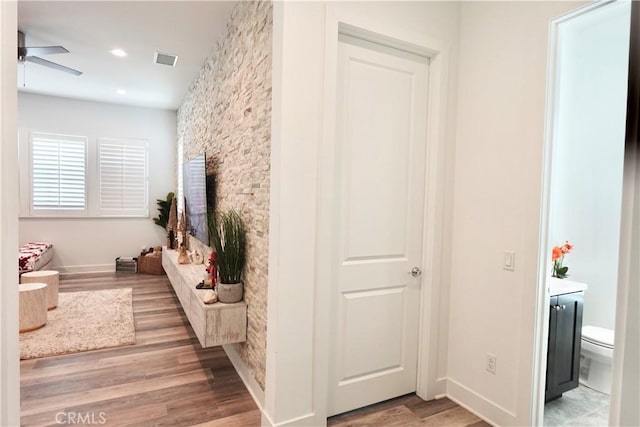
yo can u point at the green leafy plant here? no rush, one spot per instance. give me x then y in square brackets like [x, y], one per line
[228, 237]
[163, 211]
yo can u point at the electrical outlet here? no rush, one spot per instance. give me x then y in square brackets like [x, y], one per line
[491, 363]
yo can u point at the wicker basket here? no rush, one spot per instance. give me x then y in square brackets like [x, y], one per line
[151, 264]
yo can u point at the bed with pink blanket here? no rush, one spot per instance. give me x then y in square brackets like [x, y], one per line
[34, 256]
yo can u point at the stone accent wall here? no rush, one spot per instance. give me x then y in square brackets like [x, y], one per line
[227, 114]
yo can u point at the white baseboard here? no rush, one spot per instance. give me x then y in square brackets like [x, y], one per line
[257, 393]
[440, 388]
[479, 405]
[436, 390]
[245, 375]
[309, 420]
[92, 268]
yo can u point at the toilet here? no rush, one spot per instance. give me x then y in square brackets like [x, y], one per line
[596, 358]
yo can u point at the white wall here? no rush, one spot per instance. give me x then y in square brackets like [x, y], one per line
[296, 379]
[586, 180]
[92, 244]
[497, 194]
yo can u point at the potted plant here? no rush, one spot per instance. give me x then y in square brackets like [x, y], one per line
[163, 211]
[228, 237]
[557, 256]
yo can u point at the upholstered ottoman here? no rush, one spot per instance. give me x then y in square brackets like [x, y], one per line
[33, 306]
[51, 278]
[34, 256]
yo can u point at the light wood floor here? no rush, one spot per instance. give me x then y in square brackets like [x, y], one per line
[409, 411]
[167, 379]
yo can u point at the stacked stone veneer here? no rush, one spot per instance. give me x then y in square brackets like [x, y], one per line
[227, 114]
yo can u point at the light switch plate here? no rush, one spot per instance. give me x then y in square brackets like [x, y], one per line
[509, 262]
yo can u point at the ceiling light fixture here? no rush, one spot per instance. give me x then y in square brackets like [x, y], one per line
[119, 52]
[121, 92]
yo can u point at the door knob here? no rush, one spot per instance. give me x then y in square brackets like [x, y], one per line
[415, 271]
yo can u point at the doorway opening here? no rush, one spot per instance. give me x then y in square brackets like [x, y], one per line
[586, 123]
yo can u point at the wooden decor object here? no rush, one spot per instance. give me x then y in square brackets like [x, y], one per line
[173, 216]
[172, 225]
[51, 278]
[183, 257]
[33, 306]
[182, 229]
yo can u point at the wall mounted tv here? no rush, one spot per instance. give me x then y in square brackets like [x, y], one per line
[199, 197]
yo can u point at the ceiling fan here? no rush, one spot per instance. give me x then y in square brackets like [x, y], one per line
[26, 53]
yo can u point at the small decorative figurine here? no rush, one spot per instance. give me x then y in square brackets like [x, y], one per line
[210, 297]
[183, 257]
[170, 240]
[195, 257]
[213, 269]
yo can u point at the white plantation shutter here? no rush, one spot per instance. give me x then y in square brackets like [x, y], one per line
[58, 174]
[123, 177]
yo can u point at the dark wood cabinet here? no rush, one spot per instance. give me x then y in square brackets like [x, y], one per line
[563, 356]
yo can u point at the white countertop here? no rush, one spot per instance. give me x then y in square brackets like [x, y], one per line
[564, 286]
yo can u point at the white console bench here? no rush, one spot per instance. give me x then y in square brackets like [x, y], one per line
[214, 324]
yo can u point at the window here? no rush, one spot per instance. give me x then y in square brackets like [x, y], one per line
[78, 176]
[123, 177]
[180, 193]
[58, 174]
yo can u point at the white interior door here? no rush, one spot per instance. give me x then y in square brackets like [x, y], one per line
[380, 185]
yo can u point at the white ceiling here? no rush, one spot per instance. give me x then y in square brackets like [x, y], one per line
[90, 29]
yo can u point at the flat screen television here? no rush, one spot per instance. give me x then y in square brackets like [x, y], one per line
[194, 178]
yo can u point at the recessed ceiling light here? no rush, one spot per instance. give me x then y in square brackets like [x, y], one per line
[121, 92]
[119, 52]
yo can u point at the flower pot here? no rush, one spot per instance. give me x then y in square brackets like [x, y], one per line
[230, 292]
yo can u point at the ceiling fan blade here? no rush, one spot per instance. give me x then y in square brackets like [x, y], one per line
[53, 65]
[44, 50]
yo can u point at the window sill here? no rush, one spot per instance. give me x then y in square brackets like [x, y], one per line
[83, 217]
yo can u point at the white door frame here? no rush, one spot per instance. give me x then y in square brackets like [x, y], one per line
[428, 385]
[9, 349]
[542, 307]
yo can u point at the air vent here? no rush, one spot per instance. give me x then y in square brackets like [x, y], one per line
[165, 59]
